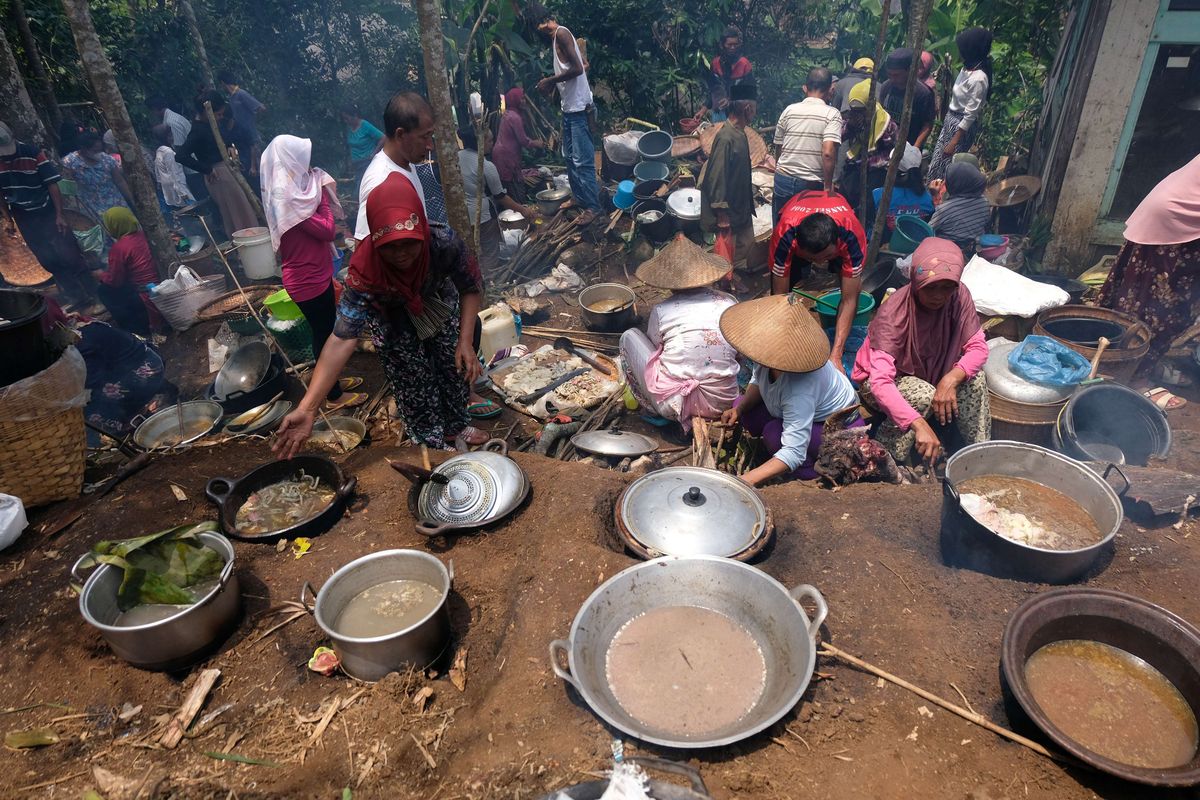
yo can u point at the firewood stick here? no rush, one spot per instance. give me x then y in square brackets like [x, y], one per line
[970, 716]
[190, 708]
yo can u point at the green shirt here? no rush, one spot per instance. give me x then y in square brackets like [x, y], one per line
[725, 185]
[363, 140]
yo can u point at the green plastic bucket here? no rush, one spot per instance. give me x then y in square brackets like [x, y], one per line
[280, 306]
[827, 306]
[910, 231]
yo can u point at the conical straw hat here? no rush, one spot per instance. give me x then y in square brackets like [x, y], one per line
[682, 264]
[777, 332]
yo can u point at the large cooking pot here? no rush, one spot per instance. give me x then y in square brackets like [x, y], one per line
[229, 495]
[275, 380]
[690, 511]
[620, 318]
[1113, 415]
[758, 603]
[653, 219]
[1163, 640]
[417, 646]
[25, 350]
[551, 201]
[173, 643]
[967, 543]
[467, 491]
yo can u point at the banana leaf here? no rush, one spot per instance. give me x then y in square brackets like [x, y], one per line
[160, 567]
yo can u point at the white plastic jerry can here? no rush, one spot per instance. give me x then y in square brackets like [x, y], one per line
[499, 330]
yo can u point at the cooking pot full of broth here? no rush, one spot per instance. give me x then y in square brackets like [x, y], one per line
[303, 496]
[385, 612]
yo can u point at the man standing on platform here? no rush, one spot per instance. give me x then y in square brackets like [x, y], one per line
[570, 76]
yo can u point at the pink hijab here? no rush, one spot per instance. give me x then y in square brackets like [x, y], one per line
[927, 343]
[1170, 214]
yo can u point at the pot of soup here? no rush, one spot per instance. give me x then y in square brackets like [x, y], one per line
[608, 307]
[303, 496]
[385, 612]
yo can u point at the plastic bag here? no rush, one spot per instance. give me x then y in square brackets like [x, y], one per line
[12, 520]
[723, 246]
[55, 389]
[1043, 360]
[622, 148]
[91, 240]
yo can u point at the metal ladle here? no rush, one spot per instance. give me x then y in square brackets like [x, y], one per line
[567, 346]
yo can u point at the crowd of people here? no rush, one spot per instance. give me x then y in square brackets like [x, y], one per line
[415, 286]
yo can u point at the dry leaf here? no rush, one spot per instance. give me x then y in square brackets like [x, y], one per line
[116, 787]
[34, 737]
[128, 712]
[301, 546]
[421, 698]
[179, 494]
[458, 671]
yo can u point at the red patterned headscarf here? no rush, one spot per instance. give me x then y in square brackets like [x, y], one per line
[394, 213]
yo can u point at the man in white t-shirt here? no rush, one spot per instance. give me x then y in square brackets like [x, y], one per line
[806, 143]
[407, 139]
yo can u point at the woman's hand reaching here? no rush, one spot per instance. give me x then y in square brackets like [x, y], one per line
[467, 362]
[928, 444]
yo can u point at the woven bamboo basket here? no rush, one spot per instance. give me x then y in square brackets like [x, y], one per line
[43, 442]
[232, 302]
[1121, 363]
[1032, 423]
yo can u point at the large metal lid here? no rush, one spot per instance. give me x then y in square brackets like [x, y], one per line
[685, 203]
[1007, 384]
[614, 442]
[468, 495]
[689, 511]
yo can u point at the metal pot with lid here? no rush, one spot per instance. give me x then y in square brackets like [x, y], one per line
[690, 511]
[467, 491]
[614, 442]
[550, 201]
[1003, 381]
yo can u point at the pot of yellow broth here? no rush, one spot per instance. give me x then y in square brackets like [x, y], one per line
[385, 612]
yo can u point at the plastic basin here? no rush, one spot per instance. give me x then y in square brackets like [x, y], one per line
[655, 146]
[910, 231]
[280, 306]
[827, 307]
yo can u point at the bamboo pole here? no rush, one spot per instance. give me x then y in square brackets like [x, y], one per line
[970, 716]
[872, 101]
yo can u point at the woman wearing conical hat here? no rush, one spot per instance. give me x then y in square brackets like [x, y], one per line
[794, 387]
[682, 367]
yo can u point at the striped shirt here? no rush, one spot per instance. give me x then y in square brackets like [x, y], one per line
[851, 241]
[25, 176]
[962, 219]
[802, 131]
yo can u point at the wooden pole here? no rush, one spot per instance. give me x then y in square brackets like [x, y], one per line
[916, 35]
[872, 101]
[969, 716]
[234, 166]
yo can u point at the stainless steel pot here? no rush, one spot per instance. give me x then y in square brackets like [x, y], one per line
[656, 789]
[1004, 382]
[619, 319]
[173, 643]
[161, 429]
[761, 605]
[967, 543]
[550, 201]
[418, 645]
[467, 491]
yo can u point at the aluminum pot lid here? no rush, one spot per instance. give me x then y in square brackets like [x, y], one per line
[685, 203]
[689, 511]
[1007, 384]
[614, 442]
[482, 487]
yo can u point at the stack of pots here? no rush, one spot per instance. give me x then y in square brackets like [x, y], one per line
[1075, 325]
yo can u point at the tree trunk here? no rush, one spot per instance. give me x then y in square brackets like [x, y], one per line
[918, 24]
[429, 18]
[45, 87]
[14, 99]
[189, 14]
[108, 96]
[366, 66]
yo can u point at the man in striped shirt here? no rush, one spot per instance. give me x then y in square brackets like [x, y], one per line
[806, 142]
[32, 202]
[820, 228]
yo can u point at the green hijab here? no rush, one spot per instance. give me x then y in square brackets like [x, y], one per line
[119, 221]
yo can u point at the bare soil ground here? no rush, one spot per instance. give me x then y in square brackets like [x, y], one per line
[516, 731]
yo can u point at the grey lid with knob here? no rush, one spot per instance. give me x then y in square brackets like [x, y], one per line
[614, 442]
[688, 511]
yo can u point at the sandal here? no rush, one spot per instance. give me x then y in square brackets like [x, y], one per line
[347, 400]
[1164, 399]
[349, 384]
[470, 436]
[484, 409]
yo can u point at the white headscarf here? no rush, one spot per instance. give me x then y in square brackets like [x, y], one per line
[291, 190]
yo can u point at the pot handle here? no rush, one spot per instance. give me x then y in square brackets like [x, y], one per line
[562, 646]
[426, 528]
[805, 590]
[137, 420]
[1120, 472]
[450, 569]
[225, 573]
[218, 489]
[307, 589]
[496, 446]
[949, 490]
[674, 768]
[78, 565]
[347, 488]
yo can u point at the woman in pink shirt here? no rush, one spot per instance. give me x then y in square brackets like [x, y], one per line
[506, 152]
[922, 358]
[300, 204]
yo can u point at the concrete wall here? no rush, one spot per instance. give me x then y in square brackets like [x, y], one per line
[1109, 93]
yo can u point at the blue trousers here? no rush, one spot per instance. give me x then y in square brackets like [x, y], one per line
[786, 187]
[580, 154]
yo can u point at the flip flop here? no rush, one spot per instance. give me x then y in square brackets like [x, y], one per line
[1164, 399]
[484, 409]
[349, 384]
[472, 437]
[347, 400]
